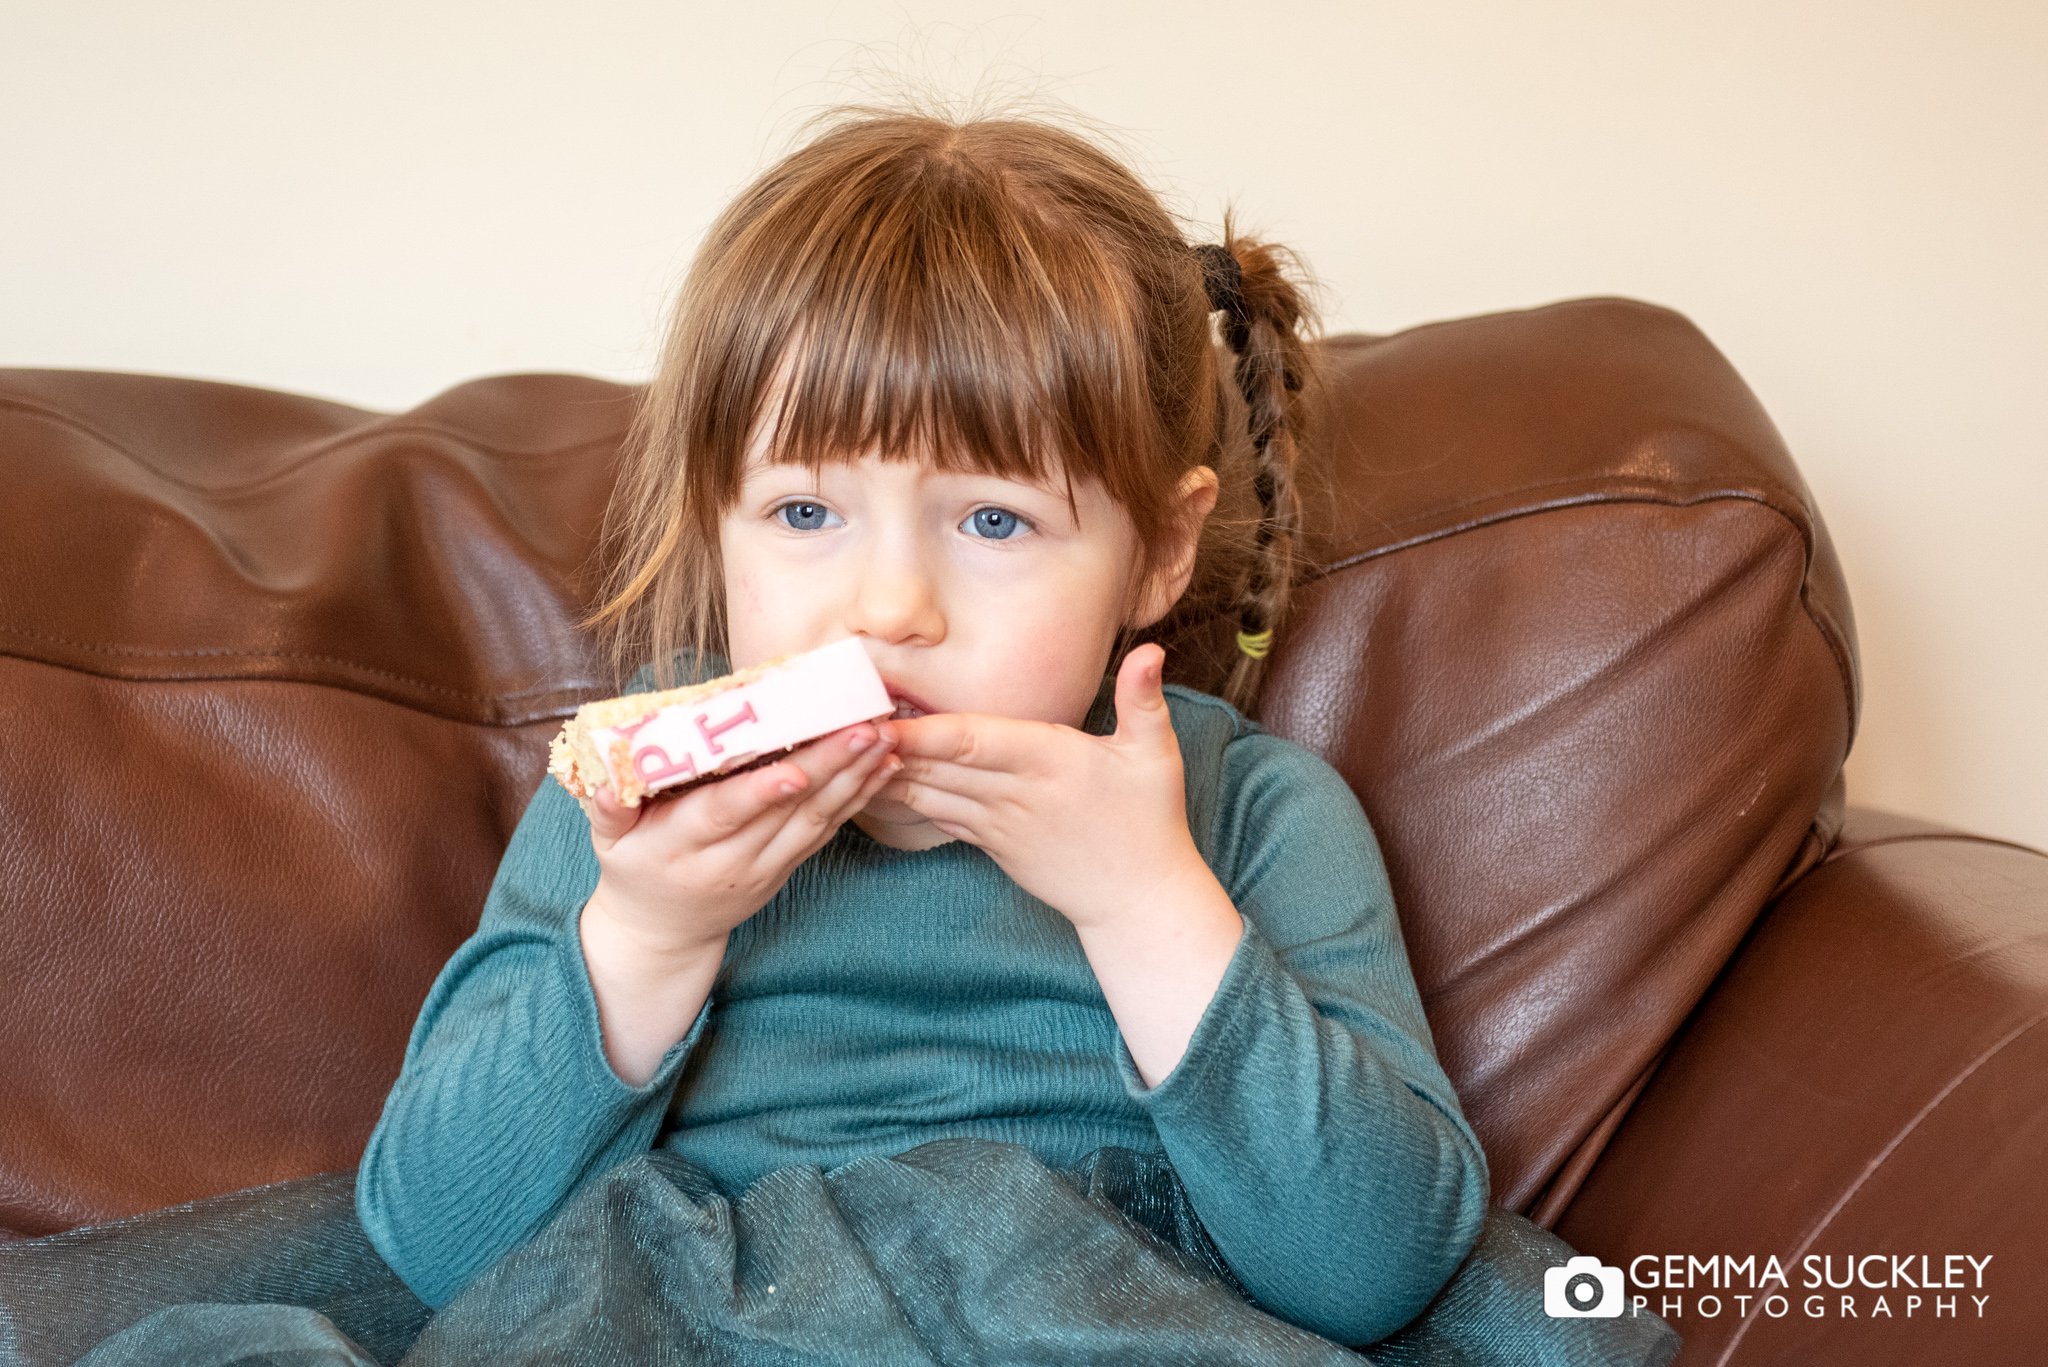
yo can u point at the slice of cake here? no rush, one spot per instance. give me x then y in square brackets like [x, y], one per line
[646, 743]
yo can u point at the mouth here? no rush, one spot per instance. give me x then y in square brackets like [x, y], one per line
[907, 706]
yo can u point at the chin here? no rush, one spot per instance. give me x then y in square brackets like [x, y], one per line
[890, 810]
[892, 818]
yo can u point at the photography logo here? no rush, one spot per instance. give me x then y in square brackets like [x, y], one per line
[1584, 1288]
[1874, 1286]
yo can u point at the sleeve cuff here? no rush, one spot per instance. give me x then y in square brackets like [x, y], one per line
[1218, 1034]
[596, 1068]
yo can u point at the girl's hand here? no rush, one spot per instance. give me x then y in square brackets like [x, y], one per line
[1089, 825]
[678, 873]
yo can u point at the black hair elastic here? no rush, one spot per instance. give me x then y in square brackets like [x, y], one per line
[1224, 280]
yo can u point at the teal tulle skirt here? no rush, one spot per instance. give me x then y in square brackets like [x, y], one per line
[957, 1251]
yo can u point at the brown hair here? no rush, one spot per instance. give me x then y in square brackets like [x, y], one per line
[997, 295]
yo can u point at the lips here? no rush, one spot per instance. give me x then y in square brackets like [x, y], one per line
[907, 705]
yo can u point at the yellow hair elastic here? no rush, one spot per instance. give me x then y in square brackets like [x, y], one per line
[1256, 646]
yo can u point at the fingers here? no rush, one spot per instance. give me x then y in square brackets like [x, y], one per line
[985, 786]
[939, 805]
[609, 818]
[817, 816]
[728, 807]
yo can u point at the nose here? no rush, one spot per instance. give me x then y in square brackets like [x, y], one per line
[893, 598]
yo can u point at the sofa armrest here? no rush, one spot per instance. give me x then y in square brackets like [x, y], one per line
[1868, 1075]
[290, 1243]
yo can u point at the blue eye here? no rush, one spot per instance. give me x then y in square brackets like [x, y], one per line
[993, 519]
[1001, 523]
[810, 509]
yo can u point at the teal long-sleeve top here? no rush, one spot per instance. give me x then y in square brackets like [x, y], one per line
[885, 998]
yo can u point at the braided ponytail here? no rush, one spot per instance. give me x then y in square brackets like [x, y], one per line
[1262, 315]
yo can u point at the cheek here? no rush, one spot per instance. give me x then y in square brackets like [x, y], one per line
[1059, 650]
[742, 593]
[1046, 670]
[750, 606]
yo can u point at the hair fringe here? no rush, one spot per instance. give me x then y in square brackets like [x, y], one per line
[1082, 221]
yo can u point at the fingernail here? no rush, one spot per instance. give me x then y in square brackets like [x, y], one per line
[858, 741]
[887, 732]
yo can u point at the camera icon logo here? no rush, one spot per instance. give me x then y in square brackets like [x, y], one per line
[1584, 1288]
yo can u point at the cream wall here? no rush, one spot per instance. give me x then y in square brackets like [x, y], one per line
[374, 201]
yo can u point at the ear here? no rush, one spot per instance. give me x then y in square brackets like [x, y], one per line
[1196, 498]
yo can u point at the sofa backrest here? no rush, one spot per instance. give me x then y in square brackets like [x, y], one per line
[280, 673]
[279, 677]
[1582, 646]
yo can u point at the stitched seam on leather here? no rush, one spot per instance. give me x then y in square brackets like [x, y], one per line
[281, 656]
[1859, 847]
[1870, 1169]
[1830, 633]
[300, 456]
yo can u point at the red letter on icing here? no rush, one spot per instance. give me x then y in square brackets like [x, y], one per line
[712, 733]
[652, 762]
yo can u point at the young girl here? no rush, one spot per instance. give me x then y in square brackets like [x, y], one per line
[949, 387]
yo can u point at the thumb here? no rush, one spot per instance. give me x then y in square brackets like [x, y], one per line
[1141, 689]
[609, 818]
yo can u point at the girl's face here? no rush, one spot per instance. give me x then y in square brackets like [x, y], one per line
[972, 592]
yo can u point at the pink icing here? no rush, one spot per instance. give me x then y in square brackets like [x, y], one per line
[807, 696]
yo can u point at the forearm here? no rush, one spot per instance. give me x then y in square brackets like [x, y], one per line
[506, 1101]
[1159, 963]
[1341, 1197]
[1318, 1153]
[647, 996]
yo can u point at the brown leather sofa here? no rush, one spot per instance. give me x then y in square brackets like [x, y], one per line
[279, 675]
